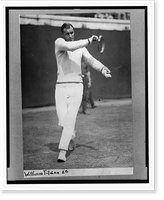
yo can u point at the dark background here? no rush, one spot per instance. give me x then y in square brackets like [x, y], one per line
[38, 64]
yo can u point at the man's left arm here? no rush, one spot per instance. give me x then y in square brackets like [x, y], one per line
[97, 65]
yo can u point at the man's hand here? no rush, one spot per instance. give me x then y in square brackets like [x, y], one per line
[106, 72]
[93, 38]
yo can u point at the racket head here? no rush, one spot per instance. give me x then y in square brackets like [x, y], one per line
[101, 44]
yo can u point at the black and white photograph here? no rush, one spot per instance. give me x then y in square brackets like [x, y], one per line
[76, 93]
[77, 100]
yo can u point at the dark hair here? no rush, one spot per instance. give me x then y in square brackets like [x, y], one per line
[67, 26]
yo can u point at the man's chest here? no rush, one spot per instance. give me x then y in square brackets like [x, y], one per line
[75, 56]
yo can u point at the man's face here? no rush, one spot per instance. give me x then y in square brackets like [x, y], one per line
[68, 34]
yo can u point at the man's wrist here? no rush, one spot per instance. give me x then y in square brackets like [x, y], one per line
[89, 42]
[102, 69]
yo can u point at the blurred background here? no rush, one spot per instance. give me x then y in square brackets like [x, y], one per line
[38, 63]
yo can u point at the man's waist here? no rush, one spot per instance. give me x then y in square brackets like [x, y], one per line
[69, 78]
[67, 82]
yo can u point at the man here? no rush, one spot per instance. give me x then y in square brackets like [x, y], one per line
[69, 86]
[90, 97]
[87, 91]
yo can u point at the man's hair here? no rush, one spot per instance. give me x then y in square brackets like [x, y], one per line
[66, 26]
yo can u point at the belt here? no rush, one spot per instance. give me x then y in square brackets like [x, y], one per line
[66, 82]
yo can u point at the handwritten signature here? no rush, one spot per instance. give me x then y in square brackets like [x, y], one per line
[43, 172]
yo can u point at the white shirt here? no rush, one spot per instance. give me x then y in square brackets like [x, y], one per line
[69, 57]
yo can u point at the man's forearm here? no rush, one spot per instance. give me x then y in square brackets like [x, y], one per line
[73, 45]
[89, 76]
[97, 65]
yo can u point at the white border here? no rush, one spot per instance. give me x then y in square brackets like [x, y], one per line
[76, 172]
[86, 187]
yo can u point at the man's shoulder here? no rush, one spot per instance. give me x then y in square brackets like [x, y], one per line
[58, 40]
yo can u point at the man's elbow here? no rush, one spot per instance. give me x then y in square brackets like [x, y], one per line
[70, 48]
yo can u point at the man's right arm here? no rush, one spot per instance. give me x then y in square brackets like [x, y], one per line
[63, 45]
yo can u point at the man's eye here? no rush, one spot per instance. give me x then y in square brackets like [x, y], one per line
[69, 33]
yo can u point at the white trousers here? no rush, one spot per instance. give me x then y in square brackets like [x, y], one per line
[68, 98]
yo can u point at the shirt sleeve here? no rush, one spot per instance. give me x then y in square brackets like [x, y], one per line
[91, 61]
[62, 45]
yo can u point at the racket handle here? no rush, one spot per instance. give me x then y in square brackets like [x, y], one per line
[92, 39]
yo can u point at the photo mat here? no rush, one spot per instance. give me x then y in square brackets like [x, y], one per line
[52, 147]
